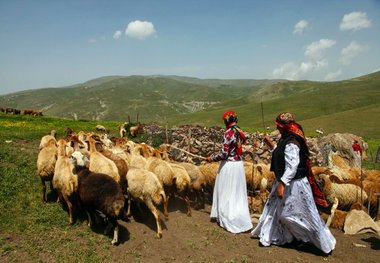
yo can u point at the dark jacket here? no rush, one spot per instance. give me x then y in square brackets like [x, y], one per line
[278, 156]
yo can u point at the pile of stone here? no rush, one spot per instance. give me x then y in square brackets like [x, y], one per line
[191, 143]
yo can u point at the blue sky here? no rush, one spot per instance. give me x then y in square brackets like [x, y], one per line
[55, 43]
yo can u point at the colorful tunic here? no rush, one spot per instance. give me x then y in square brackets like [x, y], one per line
[230, 202]
[229, 147]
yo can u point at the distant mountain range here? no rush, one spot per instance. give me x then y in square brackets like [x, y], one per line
[342, 106]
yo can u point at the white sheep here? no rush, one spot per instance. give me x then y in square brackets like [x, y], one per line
[165, 175]
[347, 194]
[101, 164]
[47, 157]
[197, 183]
[182, 183]
[64, 180]
[144, 186]
[100, 128]
[46, 138]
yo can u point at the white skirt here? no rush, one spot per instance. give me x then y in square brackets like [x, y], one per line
[230, 202]
[295, 216]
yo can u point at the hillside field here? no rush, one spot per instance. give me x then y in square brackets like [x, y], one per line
[31, 231]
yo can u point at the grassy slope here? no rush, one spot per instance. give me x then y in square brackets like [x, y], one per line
[46, 235]
[350, 105]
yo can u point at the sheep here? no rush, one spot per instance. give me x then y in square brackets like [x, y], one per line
[209, 170]
[69, 131]
[257, 202]
[137, 129]
[347, 194]
[165, 175]
[46, 138]
[97, 191]
[135, 157]
[197, 183]
[122, 130]
[101, 164]
[337, 217]
[121, 165]
[144, 186]
[65, 181]
[100, 128]
[182, 182]
[261, 178]
[46, 160]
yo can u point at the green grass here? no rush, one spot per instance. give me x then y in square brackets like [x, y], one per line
[40, 231]
[341, 106]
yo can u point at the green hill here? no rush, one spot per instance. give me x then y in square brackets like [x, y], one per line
[342, 106]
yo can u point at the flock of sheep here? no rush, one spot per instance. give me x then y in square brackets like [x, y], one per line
[99, 174]
[95, 173]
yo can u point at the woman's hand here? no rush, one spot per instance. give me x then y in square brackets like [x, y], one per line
[268, 140]
[280, 190]
[208, 159]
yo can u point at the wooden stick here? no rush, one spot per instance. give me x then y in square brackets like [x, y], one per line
[198, 156]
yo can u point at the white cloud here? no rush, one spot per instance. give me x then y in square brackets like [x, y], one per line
[355, 21]
[300, 27]
[140, 29]
[333, 75]
[117, 34]
[315, 50]
[351, 51]
[292, 71]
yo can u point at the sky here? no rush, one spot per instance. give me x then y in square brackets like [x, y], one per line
[55, 43]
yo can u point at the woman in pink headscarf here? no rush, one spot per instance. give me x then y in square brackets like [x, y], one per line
[290, 213]
[230, 202]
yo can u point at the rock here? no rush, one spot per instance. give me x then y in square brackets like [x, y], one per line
[359, 222]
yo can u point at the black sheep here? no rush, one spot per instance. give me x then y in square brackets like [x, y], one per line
[100, 192]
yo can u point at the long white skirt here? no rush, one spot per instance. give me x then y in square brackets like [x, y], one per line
[293, 217]
[230, 202]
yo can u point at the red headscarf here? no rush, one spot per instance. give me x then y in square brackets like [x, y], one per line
[229, 118]
[286, 121]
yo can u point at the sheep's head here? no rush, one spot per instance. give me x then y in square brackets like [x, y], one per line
[117, 207]
[79, 159]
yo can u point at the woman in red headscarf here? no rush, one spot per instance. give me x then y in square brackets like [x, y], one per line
[290, 213]
[230, 203]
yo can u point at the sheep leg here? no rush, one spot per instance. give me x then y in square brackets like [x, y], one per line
[156, 215]
[129, 206]
[89, 218]
[166, 202]
[70, 207]
[43, 190]
[187, 202]
[115, 225]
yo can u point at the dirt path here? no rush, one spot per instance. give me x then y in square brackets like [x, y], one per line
[196, 239]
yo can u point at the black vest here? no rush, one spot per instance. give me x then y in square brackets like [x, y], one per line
[278, 156]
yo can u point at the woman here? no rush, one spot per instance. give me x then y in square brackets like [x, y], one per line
[230, 203]
[290, 213]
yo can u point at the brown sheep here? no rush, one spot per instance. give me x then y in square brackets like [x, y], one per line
[97, 191]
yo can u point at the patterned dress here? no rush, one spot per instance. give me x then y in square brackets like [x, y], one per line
[295, 216]
[230, 203]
